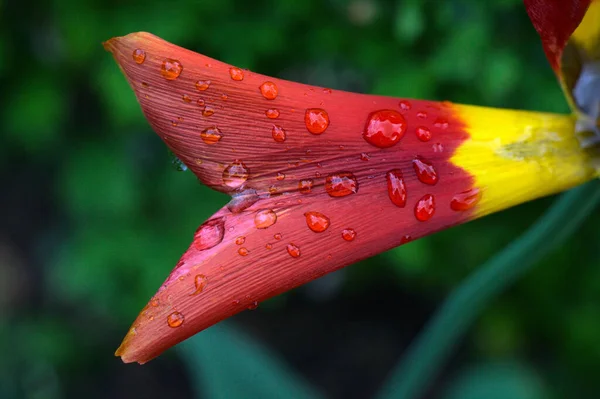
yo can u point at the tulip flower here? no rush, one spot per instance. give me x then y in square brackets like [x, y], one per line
[322, 178]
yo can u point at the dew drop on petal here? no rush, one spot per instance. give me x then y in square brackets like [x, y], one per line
[171, 69]
[348, 234]
[384, 128]
[316, 221]
[327, 91]
[268, 90]
[269, 246]
[272, 113]
[200, 282]
[364, 156]
[341, 184]
[241, 201]
[396, 187]
[425, 171]
[253, 305]
[278, 134]
[316, 120]
[186, 98]
[265, 218]
[404, 105]
[202, 85]
[208, 111]
[235, 174]
[422, 114]
[139, 56]
[175, 319]
[243, 251]
[423, 133]
[211, 135]
[465, 200]
[305, 186]
[280, 176]
[236, 74]
[209, 234]
[277, 236]
[425, 208]
[240, 240]
[438, 147]
[154, 302]
[441, 123]
[201, 102]
[293, 250]
[405, 238]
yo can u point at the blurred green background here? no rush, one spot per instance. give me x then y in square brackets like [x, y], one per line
[93, 217]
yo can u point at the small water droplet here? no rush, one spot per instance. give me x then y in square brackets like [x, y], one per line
[145, 85]
[423, 133]
[465, 200]
[139, 56]
[364, 156]
[201, 102]
[341, 184]
[269, 246]
[293, 250]
[348, 234]
[316, 221]
[425, 208]
[208, 111]
[240, 240]
[280, 176]
[235, 174]
[253, 305]
[202, 85]
[175, 320]
[405, 238]
[200, 282]
[396, 187]
[272, 113]
[171, 69]
[265, 218]
[277, 236]
[209, 234]
[272, 189]
[278, 134]
[236, 74]
[154, 302]
[438, 147]
[404, 105]
[211, 135]
[425, 171]
[422, 114]
[305, 186]
[268, 90]
[327, 91]
[224, 96]
[384, 128]
[243, 251]
[316, 120]
[186, 98]
[441, 123]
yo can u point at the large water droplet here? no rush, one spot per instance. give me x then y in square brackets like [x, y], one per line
[341, 184]
[316, 221]
[139, 56]
[209, 234]
[211, 135]
[269, 90]
[235, 174]
[305, 186]
[200, 282]
[175, 319]
[384, 128]
[396, 187]
[423, 133]
[348, 234]
[278, 134]
[425, 208]
[202, 85]
[293, 250]
[265, 218]
[425, 171]
[236, 74]
[465, 200]
[171, 69]
[316, 120]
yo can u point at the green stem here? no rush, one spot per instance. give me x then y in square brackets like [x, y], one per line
[424, 358]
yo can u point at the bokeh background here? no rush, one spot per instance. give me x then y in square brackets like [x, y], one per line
[93, 216]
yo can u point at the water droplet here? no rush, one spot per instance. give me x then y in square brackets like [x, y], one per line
[277, 236]
[154, 302]
[145, 85]
[364, 156]
[280, 176]
[208, 111]
[269, 246]
[348, 234]
[269, 90]
[243, 251]
[211, 135]
[200, 282]
[272, 113]
[293, 250]
[404, 105]
[240, 240]
[235, 174]
[209, 234]
[384, 128]
[316, 221]
[278, 134]
[224, 96]
[139, 56]
[465, 200]
[422, 114]
[341, 184]
[405, 238]
[265, 218]
[242, 200]
[396, 187]
[201, 102]
[438, 147]
[253, 305]
[175, 320]
[171, 69]
[441, 123]
[423, 133]
[186, 98]
[327, 91]
[316, 120]
[425, 208]
[202, 85]
[425, 171]
[176, 162]
[236, 74]
[305, 186]
[272, 189]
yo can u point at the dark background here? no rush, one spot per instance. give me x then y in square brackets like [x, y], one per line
[93, 217]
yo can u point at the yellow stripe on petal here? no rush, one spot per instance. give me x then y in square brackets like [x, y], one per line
[517, 156]
[587, 34]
